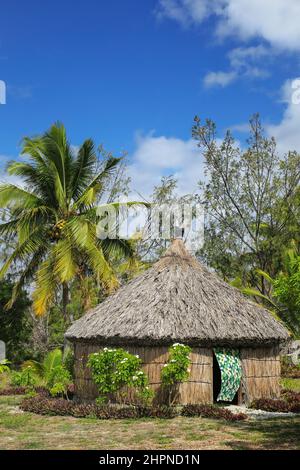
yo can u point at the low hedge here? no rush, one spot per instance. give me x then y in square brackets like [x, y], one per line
[61, 407]
[212, 411]
[13, 391]
[42, 391]
[269, 404]
[289, 403]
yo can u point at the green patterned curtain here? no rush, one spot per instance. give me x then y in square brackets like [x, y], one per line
[231, 372]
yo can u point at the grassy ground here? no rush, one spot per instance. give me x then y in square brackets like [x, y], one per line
[291, 384]
[29, 431]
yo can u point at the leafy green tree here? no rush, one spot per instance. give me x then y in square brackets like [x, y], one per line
[54, 217]
[252, 203]
[283, 297]
[15, 323]
[286, 291]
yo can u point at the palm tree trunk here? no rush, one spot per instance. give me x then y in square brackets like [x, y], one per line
[65, 299]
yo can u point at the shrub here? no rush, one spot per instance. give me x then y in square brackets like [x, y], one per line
[176, 370]
[42, 391]
[59, 380]
[211, 411]
[269, 404]
[289, 402]
[5, 380]
[4, 366]
[24, 378]
[69, 361]
[61, 407]
[13, 391]
[113, 369]
[52, 372]
[293, 399]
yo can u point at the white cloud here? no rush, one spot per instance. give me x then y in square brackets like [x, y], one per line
[221, 79]
[287, 132]
[243, 63]
[243, 59]
[186, 11]
[275, 21]
[157, 156]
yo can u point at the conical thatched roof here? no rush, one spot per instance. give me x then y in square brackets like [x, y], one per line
[178, 299]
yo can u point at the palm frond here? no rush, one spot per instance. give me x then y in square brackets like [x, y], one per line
[255, 293]
[83, 167]
[64, 266]
[117, 248]
[31, 245]
[27, 274]
[46, 285]
[52, 360]
[265, 275]
[13, 197]
[97, 184]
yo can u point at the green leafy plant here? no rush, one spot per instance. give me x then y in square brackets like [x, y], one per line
[69, 361]
[4, 366]
[58, 381]
[24, 378]
[51, 372]
[177, 369]
[113, 369]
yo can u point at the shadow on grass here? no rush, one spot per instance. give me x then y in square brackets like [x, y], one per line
[266, 434]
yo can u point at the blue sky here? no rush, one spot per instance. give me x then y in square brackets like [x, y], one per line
[132, 74]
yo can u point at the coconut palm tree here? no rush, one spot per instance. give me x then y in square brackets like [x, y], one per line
[53, 216]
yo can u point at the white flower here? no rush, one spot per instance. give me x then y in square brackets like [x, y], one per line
[140, 372]
[134, 377]
[137, 356]
[166, 365]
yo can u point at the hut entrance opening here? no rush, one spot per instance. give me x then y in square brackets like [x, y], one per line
[216, 378]
[227, 374]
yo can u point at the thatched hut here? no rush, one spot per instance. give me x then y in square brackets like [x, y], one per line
[180, 300]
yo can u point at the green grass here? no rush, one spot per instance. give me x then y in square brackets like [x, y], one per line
[29, 431]
[291, 384]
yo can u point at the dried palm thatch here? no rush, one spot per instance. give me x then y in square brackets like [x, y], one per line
[178, 299]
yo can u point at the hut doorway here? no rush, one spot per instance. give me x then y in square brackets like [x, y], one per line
[216, 378]
[226, 376]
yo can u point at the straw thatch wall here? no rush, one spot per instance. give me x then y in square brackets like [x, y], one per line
[261, 373]
[197, 390]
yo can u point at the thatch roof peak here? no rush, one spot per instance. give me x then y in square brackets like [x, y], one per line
[177, 248]
[178, 299]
